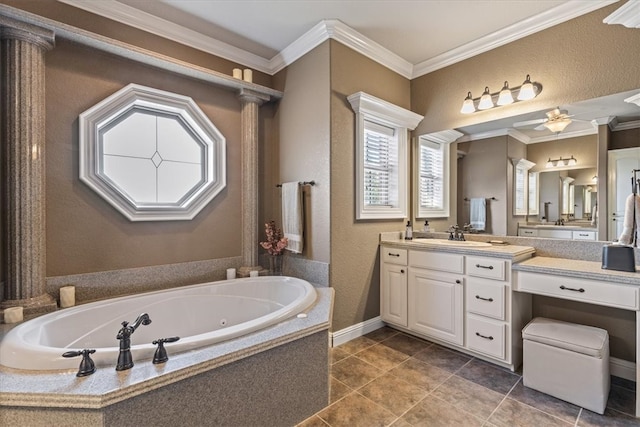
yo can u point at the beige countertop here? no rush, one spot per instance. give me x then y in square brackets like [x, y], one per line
[577, 269]
[495, 250]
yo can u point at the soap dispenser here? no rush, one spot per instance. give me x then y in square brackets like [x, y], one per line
[408, 234]
[426, 227]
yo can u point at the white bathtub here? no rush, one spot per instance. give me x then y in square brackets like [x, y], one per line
[200, 315]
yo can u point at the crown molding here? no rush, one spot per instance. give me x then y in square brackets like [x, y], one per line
[627, 15]
[626, 125]
[549, 18]
[334, 29]
[136, 18]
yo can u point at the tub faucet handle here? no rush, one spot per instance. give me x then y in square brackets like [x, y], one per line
[160, 355]
[87, 367]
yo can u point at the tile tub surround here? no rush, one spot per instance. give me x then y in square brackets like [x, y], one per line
[389, 378]
[210, 385]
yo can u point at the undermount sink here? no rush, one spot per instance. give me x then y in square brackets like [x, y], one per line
[462, 243]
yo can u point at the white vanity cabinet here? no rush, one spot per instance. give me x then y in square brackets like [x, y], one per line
[436, 295]
[460, 300]
[393, 285]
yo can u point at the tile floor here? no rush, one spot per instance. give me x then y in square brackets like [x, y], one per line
[387, 378]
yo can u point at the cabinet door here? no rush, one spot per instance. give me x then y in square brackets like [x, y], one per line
[436, 305]
[393, 294]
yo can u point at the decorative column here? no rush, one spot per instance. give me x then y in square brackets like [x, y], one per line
[251, 102]
[22, 113]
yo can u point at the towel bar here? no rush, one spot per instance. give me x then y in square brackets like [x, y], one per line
[301, 183]
[466, 199]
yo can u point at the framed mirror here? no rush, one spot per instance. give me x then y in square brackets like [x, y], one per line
[153, 155]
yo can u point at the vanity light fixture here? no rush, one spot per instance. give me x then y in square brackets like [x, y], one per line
[552, 163]
[528, 90]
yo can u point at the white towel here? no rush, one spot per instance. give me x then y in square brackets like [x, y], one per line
[292, 216]
[594, 216]
[628, 231]
[478, 213]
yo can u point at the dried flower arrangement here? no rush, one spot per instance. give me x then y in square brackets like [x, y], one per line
[275, 242]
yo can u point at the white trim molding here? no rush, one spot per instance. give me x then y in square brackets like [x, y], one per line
[627, 15]
[334, 29]
[354, 331]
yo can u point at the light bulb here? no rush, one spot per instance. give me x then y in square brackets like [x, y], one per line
[467, 105]
[505, 97]
[572, 161]
[526, 90]
[485, 100]
[549, 163]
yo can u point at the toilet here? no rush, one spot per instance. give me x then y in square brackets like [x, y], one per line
[567, 361]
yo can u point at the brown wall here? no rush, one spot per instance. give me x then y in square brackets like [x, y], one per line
[354, 244]
[84, 233]
[583, 148]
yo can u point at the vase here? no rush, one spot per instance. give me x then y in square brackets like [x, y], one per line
[275, 265]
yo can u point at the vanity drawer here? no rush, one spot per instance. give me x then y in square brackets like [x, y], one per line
[453, 263]
[527, 232]
[491, 268]
[486, 336]
[586, 290]
[584, 235]
[486, 298]
[393, 255]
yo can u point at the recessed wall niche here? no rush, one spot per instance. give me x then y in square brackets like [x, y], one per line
[153, 155]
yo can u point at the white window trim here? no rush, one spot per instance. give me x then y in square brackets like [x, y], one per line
[524, 165]
[381, 112]
[444, 138]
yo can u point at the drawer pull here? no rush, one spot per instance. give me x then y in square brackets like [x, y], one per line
[490, 338]
[583, 235]
[484, 299]
[397, 255]
[490, 267]
[564, 288]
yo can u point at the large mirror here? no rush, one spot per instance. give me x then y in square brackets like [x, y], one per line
[537, 182]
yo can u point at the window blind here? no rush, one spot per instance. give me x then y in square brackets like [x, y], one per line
[533, 193]
[520, 191]
[431, 175]
[380, 165]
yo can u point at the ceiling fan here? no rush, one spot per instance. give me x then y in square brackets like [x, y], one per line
[557, 120]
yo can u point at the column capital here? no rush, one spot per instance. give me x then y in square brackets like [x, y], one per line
[248, 95]
[14, 29]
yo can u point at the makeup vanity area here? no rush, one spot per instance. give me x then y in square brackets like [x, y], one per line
[476, 299]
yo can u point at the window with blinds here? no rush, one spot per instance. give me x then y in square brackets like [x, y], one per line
[432, 167]
[380, 165]
[533, 193]
[520, 191]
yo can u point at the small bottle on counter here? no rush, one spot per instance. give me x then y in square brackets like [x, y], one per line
[408, 234]
[426, 227]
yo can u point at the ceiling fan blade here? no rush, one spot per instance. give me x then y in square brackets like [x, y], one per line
[529, 123]
[541, 127]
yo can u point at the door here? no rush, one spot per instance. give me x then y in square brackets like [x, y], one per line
[621, 166]
[393, 294]
[436, 305]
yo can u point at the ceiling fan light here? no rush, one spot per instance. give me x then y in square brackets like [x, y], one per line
[557, 126]
[467, 105]
[505, 97]
[486, 101]
[526, 90]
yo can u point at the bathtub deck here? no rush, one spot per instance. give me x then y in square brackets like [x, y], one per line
[21, 390]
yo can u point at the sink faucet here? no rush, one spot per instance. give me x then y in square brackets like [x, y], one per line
[560, 221]
[125, 361]
[455, 233]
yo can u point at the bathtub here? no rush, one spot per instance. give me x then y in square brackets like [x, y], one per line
[201, 315]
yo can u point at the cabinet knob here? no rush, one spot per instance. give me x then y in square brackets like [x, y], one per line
[402, 271]
[458, 281]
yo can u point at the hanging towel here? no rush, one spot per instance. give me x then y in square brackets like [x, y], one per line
[478, 213]
[292, 216]
[594, 216]
[628, 226]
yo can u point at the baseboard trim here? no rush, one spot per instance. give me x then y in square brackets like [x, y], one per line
[622, 368]
[354, 331]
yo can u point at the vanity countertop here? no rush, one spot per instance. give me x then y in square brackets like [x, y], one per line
[577, 269]
[494, 250]
[559, 227]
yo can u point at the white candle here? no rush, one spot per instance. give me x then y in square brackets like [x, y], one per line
[248, 75]
[253, 273]
[67, 296]
[237, 73]
[13, 315]
[231, 273]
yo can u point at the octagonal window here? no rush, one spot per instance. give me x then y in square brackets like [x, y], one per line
[153, 155]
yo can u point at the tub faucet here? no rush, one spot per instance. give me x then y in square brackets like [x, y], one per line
[125, 361]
